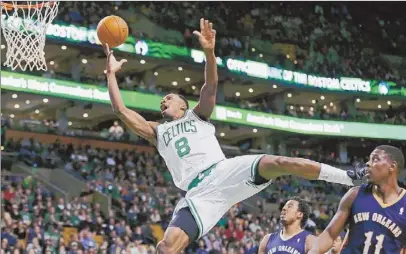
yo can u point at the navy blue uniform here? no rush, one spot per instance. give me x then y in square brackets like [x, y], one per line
[376, 228]
[294, 245]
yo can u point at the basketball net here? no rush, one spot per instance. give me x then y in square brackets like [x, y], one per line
[24, 27]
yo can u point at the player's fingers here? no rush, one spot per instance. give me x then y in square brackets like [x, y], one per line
[106, 49]
[201, 24]
[211, 26]
[123, 61]
[214, 32]
[206, 24]
[197, 33]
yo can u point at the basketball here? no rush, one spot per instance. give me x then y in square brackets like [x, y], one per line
[112, 30]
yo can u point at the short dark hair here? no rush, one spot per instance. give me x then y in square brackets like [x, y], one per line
[394, 153]
[183, 98]
[304, 208]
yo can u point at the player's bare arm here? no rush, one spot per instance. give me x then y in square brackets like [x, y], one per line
[262, 245]
[325, 240]
[132, 119]
[207, 39]
[310, 240]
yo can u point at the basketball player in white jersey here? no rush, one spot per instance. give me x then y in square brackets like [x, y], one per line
[188, 144]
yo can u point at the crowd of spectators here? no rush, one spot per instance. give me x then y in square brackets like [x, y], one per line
[329, 40]
[143, 195]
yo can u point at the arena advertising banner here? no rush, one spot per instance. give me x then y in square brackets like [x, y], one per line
[72, 90]
[76, 34]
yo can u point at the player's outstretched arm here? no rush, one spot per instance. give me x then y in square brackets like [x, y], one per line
[132, 119]
[262, 245]
[325, 240]
[207, 101]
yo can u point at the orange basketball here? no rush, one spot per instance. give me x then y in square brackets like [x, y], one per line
[112, 30]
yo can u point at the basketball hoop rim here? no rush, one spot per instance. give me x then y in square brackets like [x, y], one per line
[9, 7]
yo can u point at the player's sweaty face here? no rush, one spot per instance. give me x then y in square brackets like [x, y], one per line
[290, 212]
[378, 166]
[171, 104]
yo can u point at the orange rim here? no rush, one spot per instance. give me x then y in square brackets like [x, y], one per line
[9, 7]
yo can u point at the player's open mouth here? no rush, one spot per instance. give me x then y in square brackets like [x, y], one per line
[163, 107]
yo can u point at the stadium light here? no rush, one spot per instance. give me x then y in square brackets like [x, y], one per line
[27, 102]
[275, 86]
[291, 107]
[64, 47]
[325, 106]
[84, 61]
[222, 134]
[379, 106]
[187, 79]
[261, 55]
[193, 87]
[389, 102]
[311, 109]
[289, 95]
[358, 100]
[255, 130]
[14, 96]
[142, 61]
[85, 115]
[322, 97]
[237, 94]
[253, 49]
[180, 68]
[12, 115]
[36, 111]
[314, 101]
[331, 104]
[301, 108]
[251, 90]
[3, 46]
[156, 73]
[174, 83]
[69, 123]
[45, 100]
[16, 106]
[52, 63]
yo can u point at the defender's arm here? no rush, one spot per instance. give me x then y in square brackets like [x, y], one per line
[132, 119]
[262, 245]
[207, 101]
[325, 240]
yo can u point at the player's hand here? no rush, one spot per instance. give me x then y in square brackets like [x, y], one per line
[112, 65]
[207, 35]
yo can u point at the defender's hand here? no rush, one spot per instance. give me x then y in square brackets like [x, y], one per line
[207, 35]
[112, 65]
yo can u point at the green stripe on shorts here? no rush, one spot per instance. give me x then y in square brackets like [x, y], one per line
[254, 166]
[193, 210]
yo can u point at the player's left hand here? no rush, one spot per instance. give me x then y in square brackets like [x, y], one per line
[207, 35]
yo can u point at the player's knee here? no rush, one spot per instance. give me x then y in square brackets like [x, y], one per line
[272, 162]
[165, 247]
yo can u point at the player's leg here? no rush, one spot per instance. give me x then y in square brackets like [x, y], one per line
[181, 231]
[271, 167]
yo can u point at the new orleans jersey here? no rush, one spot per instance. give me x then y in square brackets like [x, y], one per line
[376, 228]
[188, 146]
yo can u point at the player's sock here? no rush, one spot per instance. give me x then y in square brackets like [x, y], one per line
[334, 175]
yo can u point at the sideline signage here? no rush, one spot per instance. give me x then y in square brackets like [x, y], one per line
[72, 90]
[76, 34]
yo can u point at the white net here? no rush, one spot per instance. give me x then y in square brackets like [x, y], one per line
[24, 28]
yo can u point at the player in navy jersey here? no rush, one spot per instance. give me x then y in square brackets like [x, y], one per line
[375, 212]
[292, 238]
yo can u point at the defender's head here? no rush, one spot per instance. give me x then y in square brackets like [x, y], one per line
[384, 163]
[173, 106]
[296, 210]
